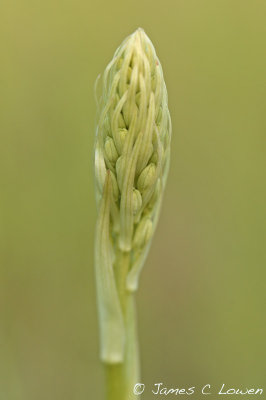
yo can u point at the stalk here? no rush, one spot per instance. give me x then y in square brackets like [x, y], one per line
[121, 378]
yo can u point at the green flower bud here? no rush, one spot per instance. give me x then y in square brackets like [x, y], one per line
[137, 201]
[147, 177]
[110, 150]
[143, 233]
[120, 138]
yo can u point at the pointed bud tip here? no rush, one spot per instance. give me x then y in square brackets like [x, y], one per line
[140, 32]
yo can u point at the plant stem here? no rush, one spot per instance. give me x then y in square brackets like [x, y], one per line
[121, 378]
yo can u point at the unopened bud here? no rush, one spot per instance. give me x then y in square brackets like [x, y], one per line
[146, 177]
[110, 150]
[137, 201]
[120, 138]
[143, 233]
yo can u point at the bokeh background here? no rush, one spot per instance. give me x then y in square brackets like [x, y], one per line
[202, 296]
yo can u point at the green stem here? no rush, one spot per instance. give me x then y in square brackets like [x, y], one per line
[121, 378]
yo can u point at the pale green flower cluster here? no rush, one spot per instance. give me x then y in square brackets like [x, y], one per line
[132, 156]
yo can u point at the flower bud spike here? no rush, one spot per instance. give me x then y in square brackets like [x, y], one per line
[132, 155]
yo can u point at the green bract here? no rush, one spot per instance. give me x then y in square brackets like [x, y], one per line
[131, 164]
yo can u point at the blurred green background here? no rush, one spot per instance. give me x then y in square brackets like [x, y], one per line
[202, 297]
